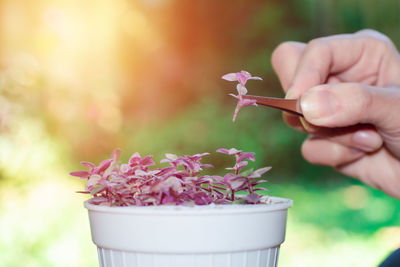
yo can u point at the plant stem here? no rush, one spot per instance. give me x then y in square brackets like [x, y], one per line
[251, 189]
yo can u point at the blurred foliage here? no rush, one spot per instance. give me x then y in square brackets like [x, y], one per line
[79, 78]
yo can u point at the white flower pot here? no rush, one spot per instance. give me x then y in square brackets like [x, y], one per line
[179, 236]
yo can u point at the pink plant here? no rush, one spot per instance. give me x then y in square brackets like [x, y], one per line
[242, 78]
[112, 184]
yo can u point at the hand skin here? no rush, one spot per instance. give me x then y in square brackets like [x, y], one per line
[349, 90]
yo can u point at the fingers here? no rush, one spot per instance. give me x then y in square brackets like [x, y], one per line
[385, 177]
[301, 66]
[324, 152]
[334, 59]
[346, 104]
[361, 137]
[374, 34]
[321, 57]
[285, 59]
[348, 95]
[365, 166]
[348, 57]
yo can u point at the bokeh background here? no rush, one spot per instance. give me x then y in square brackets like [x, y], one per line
[80, 78]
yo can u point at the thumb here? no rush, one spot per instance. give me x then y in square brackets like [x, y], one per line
[347, 104]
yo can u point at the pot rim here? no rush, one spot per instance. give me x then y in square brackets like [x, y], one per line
[274, 204]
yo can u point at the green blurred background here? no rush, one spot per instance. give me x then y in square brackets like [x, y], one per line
[79, 78]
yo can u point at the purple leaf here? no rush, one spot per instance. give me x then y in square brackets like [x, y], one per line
[103, 166]
[230, 77]
[114, 184]
[253, 198]
[254, 183]
[232, 151]
[92, 181]
[88, 165]
[246, 155]
[115, 154]
[261, 189]
[241, 77]
[258, 173]
[81, 174]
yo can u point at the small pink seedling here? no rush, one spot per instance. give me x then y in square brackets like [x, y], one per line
[242, 78]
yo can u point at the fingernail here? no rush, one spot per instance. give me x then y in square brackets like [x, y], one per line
[304, 124]
[290, 94]
[367, 141]
[318, 104]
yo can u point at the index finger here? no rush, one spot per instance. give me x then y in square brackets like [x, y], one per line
[345, 56]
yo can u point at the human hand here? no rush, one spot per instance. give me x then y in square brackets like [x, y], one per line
[349, 90]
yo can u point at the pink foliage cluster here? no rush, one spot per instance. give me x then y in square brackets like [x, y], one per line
[180, 183]
[242, 78]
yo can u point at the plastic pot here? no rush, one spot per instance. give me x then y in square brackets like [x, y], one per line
[180, 236]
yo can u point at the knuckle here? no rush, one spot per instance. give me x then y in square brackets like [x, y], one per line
[365, 96]
[309, 150]
[369, 32]
[361, 99]
[280, 51]
[318, 44]
[380, 40]
[306, 151]
[381, 44]
[322, 151]
[338, 155]
[373, 34]
[317, 49]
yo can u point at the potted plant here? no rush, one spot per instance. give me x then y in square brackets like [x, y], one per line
[142, 216]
